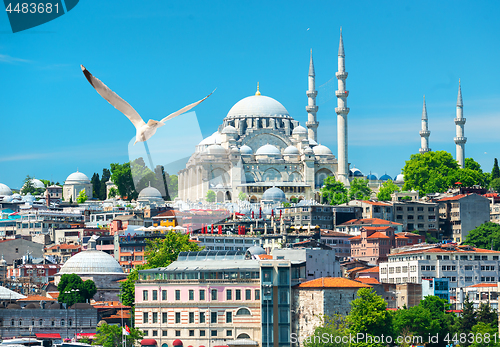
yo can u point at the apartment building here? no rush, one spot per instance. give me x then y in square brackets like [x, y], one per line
[461, 213]
[483, 293]
[417, 216]
[313, 215]
[374, 209]
[62, 252]
[36, 222]
[353, 226]
[338, 241]
[226, 242]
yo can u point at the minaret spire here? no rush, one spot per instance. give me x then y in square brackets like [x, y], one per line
[311, 108]
[460, 139]
[424, 133]
[342, 110]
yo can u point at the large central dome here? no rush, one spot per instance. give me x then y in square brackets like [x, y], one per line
[258, 106]
[91, 262]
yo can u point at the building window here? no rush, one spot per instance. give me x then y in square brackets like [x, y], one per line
[243, 312]
[144, 317]
[155, 317]
[214, 294]
[238, 294]
[155, 332]
[229, 333]
[229, 294]
[40, 322]
[191, 332]
[202, 317]
[213, 317]
[229, 317]
[213, 333]
[248, 294]
[155, 295]
[177, 317]
[257, 294]
[177, 294]
[202, 333]
[164, 333]
[164, 318]
[62, 322]
[191, 317]
[145, 332]
[145, 295]
[177, 333]
[164, 295]
[202, 294]
[191, 294]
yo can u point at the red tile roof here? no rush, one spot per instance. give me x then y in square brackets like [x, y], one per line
[376, 203]
[355, 237]
[482, 285]
[265, 256]
[451, 198]
[367, 280]
[64, 246]
[326, 232]
[54, 295]
[438, 249]
[369, 221]
[356, 269]
[332, 282]
[37, 298]
[372, 269]
[378, 235]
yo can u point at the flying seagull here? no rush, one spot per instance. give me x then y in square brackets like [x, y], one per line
[144, 131]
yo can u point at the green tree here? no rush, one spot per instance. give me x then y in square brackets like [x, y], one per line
[388, 187]
[96, 186]
[415, 321]
[28, 186]
[106, 175]
[88, 289]
[495, 172]
[369, 316]
[359, 189]
[466, 320]
[495, 185]
[480, 331]
[242, 196]
[472, 165]
[113, 192]
[468, 177]
[485, 314]
[121, 175]
[72, 289]
[111, 336]
[333, 192]
[486, 236]
[160, 252]
[324, 334]
[82, 197]
[210, 196]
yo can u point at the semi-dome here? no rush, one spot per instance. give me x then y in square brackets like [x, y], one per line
[5, 190]
[291, 150]
[299, 130]
[268, 150]
[229, 130]
[385, 177]
[150, 193]
[274, 194]
[246, 150]
[355, 172]
[215, 150]
[322, 150]
[91, 262]
[399, 178]
[258, 106]
[212, 139]
[77, 178]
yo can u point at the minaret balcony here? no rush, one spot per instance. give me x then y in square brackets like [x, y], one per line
[312, 125]
[460, 140]
[312, 109]
[424, 150]
[424, 133]
[340, 93]
[342, 110]
[459, 121]
[341, 75]
[311, 93]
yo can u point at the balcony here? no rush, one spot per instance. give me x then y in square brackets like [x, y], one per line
[340, 93]
[342, 110]
[459, 140]
[341, 75]
[460, 121]
[311, 109]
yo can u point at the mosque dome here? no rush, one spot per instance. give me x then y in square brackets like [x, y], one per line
[235, 150]
[274, 194]
[77, 178]
[5, 190]
[229, 130]
[291, 150]
[385, 177]
[258, 106]
[312, 142]
[37, 184]
[246, 150]
[256, 250]
[150, 193]
[355, 172]
[91, 262]
[212, 139]
[299, 130]
[215, 150]
[268, 150]
[371, 177]
[308, 150]
[399, 178]
[322, 150]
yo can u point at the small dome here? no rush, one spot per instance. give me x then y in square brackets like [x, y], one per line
[322, 150]
[77, 178]
[355, 172]
[268, 150]
[308, 150]
[91, 262]
[54, 306]
[13, 307]
[371, 177]
[32, 305]
[299, 130]
[235, 150]
[150, 193]
[212, 139]
[256, 250]
[291, 150]
[37, 184]
[274, 194]
[385, 177]
[229, 130]
[312, 142]
[399, 178]
[5, 190]
[215, 150]
[246, 150]
[258, 106]
[81, 306]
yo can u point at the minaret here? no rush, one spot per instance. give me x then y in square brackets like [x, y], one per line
[342, 110]
[424, 133]
[311, 108]
[460, 140]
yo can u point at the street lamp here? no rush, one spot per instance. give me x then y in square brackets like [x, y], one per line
[74, 294]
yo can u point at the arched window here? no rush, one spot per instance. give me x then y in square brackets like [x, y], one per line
[33, 322]
[243, 336]
[62, 322]
[40, 322]
[243, 312]
[20, 322]
[53, 323]
[70, 322]
[12, 323]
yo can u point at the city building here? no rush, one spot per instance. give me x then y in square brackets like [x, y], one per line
[313, 215]
[15, 249]
[353, 226]
[226, 242]
[339, 242]
[62, 252]
[408, 294]
[482, 293]
[417, 216]
[374, 209]
[36, 222]
[436, 287]
[74, 184]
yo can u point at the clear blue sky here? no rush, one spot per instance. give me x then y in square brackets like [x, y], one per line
[161, 55]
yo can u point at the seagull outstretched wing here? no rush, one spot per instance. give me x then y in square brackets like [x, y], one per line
[185, 108]
[111, 97]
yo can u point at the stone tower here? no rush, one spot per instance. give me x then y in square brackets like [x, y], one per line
[460, 140]
[311, 108]
[342, 110]
[424, 133]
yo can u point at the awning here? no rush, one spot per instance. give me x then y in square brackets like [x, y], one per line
[85, 335]
[48, 336]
